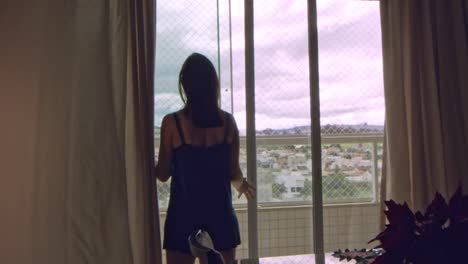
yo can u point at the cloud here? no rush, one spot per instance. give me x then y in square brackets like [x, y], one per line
[351, 85]
[165, 103]
[263, 121]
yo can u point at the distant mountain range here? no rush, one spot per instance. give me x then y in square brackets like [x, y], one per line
[325, 129]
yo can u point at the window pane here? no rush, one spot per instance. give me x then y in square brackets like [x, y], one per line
[352, 118]
[184, 27]
[352, 110]
[282, 117]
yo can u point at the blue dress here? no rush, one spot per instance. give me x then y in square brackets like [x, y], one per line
[200, 195]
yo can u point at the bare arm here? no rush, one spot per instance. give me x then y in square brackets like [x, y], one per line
[237, 178]
[163, 167]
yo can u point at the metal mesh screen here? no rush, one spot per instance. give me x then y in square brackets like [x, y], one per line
[350, 62]
[352, 117]
[282, 106]
[351, 92]
[348, 172]
[184, 27]
[351, 98]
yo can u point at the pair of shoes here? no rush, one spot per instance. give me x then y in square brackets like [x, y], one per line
[201, 245]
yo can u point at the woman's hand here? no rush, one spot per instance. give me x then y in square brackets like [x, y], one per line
[247, 189]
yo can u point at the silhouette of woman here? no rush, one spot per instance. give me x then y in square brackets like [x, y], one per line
[200, 149]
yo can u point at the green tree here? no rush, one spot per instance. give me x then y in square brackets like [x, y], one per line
[337, 186]
[307, 190]
[290, 147]
[304, 149]
[367, 155]
[336, 146]
[278, 189]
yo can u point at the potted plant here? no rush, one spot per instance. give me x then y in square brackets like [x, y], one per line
[439, 235]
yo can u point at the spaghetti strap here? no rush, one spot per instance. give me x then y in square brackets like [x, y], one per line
[179, 128]
[226, 127]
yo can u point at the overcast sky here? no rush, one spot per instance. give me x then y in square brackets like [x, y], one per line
[351, 84]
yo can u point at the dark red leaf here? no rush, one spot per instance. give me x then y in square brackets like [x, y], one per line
[458, 207]
[398, 213]
[437, 212]
[425, 238]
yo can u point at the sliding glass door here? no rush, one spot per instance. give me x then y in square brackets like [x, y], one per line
[352, 118]
[184, 27]
[351, 109]
[283, 128]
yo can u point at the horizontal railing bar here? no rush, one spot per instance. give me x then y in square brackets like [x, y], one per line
[292, 205]
[273, 205]
[305, 140]
[301, 203]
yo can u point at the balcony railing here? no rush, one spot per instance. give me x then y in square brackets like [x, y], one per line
[351, 166]
[286, 226]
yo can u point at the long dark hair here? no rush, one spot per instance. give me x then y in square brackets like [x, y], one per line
[199, 90]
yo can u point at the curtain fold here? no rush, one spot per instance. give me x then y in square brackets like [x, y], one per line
[425, 52]
[76, 177]
[141, 54]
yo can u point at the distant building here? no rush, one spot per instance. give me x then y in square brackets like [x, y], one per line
[294, 182]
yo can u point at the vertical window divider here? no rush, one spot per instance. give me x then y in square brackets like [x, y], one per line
[219, 44]
[230, 58]
[375, 170]
[251, 133]
[315, 135]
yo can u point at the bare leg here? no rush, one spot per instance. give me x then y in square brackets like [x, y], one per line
[229, 255]
[176, 257]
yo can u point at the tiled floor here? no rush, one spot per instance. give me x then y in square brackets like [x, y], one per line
[297, 259]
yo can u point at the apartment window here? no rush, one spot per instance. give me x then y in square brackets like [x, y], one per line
[351, 101]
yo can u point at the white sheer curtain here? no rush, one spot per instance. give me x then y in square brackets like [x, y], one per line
[74, 183]
[425, 48]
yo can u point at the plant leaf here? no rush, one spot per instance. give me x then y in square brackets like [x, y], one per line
[458, 207]
[437, 212]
